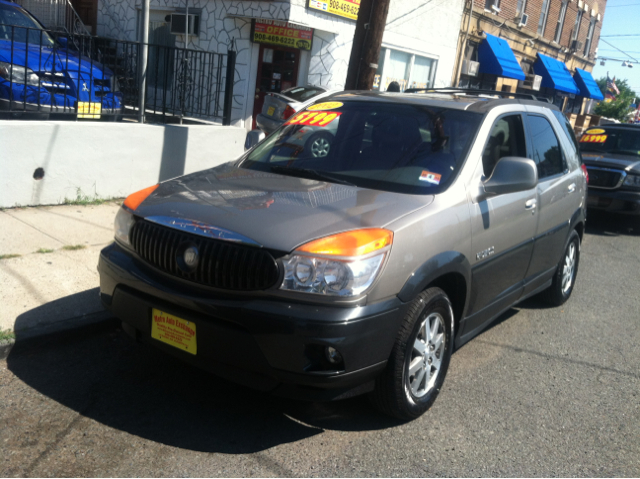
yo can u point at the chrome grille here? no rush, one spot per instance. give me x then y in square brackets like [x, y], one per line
[604, 178]
[221, 264]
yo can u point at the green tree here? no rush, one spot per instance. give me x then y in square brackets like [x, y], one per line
[619, 107]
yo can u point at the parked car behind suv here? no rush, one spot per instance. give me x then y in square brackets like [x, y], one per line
[359, 271]
[612, 156]
[43, 74]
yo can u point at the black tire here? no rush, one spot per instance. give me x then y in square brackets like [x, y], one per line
[395, 391]
[318, 145]
[559, 291]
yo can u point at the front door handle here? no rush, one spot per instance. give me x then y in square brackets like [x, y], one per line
[530, 204]
[571, 188]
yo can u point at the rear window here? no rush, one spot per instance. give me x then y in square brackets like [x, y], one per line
[402, 148]
[302, 93]
[622, 141]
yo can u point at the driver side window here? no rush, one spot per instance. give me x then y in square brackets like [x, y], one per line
[506, 139]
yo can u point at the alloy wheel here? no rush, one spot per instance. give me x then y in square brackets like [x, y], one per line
[426, 355]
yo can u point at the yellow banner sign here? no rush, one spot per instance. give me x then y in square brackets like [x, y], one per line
[342, 8]
[282, 33]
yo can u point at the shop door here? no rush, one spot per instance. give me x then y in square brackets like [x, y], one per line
[277, 71]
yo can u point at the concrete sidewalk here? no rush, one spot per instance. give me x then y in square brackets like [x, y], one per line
[52, 281]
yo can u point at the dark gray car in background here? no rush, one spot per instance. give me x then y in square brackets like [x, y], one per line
[611, 154]
[361, 270]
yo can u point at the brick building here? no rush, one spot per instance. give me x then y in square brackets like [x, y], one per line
[553, 42]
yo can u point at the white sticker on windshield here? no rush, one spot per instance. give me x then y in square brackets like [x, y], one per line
[430, 177]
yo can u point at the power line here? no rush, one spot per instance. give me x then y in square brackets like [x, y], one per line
[621, 51]
[627, 5]
[625, 35]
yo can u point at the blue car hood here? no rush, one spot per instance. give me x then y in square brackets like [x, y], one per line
[45, 59]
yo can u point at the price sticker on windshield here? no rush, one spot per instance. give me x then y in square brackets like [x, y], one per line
[314, 118]
[593, 138]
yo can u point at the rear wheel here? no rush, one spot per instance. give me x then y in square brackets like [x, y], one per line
[565, 277]
[419, 360]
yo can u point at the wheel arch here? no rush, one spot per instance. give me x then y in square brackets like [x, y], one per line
[449, 271]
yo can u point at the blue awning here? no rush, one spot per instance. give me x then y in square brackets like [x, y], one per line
[555, 74]
[497, 58]
[587, 85]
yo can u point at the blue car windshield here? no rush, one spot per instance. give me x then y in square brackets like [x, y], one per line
[18, 26]
[406, 148]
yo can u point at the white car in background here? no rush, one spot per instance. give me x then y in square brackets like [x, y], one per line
[279, 107]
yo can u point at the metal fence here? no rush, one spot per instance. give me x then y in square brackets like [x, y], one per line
[53, 75]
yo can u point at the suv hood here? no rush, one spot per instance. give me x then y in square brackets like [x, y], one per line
[47, 59]
[611, 160]
[278, 212]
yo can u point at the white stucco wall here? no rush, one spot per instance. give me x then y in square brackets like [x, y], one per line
[428, 28]
[103, 160]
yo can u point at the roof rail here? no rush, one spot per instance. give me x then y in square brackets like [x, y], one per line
[473, 91]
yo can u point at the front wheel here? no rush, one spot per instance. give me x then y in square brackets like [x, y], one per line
[565, 277]
[419, 360]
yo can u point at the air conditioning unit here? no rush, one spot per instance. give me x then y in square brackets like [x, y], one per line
[531, 82]
[576, 45]
[470, 68]
[523, 20]
[178, 27]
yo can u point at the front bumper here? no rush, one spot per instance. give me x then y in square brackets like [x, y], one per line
[614, 201]
[264, 343]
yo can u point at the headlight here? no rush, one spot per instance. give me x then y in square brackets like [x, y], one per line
[123, 224]
[345, 264]
[18, 74]
[632, 181]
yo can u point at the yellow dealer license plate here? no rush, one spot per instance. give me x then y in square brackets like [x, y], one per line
[89, 109]
[271, 110]
[174, 331]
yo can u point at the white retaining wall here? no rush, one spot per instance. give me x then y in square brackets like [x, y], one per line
[103, 160]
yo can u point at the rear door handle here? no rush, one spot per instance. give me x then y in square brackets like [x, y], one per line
[572, 188]
[530, 204]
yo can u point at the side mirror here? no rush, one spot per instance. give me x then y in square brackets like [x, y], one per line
[510, 175]
[63, 42]
[253, 138]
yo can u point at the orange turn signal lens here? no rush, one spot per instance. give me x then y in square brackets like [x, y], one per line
[350, 243]
[135, 199]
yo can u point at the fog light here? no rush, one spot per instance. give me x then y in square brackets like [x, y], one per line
[332, 354]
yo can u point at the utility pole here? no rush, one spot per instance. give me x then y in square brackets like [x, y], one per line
[372, 19]
[144, 54]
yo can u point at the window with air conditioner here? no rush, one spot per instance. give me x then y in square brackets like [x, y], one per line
[576, 27]
[587, 43]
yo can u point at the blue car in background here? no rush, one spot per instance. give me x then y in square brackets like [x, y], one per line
[46, 76]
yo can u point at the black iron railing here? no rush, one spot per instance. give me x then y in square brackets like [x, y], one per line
[52, 75]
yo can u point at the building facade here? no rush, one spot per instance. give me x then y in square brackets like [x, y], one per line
[281, 44]
[549, 39]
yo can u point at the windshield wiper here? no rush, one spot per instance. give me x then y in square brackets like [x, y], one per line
[309, 173]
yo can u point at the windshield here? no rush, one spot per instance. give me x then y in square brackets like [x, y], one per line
[402, 148]
[622, 141]
[17, 25]
[302, 93]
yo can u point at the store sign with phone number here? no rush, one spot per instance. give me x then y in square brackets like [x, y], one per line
[275, 32]
[342, 8]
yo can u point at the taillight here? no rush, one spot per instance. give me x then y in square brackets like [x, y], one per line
[586, 173]
[288, 112]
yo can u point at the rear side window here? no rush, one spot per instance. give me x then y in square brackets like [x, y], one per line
[506, 139]
[574, 157]
[545, 146]
[302, 93]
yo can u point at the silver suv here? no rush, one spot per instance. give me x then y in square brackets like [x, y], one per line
[358, 268]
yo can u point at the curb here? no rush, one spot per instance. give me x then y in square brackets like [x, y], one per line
[60, 326]
[5, 347]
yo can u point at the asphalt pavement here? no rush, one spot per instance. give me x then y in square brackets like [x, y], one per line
[544, 392]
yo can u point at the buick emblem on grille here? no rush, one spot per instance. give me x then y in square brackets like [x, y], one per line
[190, 257]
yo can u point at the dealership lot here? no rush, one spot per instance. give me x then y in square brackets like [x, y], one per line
[543, 392]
